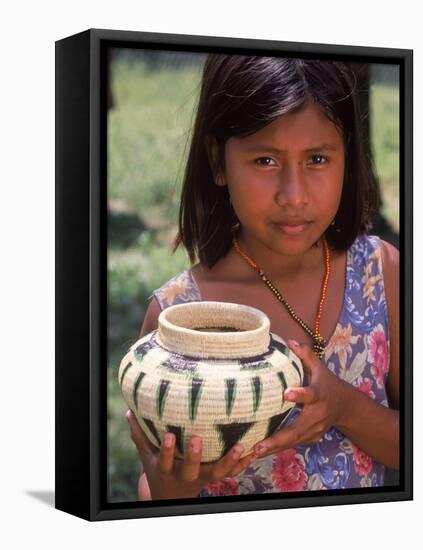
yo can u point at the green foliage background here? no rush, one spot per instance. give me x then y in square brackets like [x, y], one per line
[148, 134]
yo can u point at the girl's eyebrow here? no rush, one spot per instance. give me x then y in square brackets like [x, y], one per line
[263, 148]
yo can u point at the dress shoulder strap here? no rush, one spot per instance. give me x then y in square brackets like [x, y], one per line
[178, 290]
[366, 299]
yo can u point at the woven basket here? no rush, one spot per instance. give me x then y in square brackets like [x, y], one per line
[212, 369]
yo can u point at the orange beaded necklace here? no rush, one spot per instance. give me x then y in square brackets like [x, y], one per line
[319, 342]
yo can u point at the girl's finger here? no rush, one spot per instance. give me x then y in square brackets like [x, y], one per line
[306, 354]
[222, 467]
[306, 395]
[191, 464]
[242, 464]
[167, 450]
[288, 437]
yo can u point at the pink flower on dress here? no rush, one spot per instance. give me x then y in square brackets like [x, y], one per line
[378, 354]
[288, 471]
[365, 386]
[224, 487]
[363, 464]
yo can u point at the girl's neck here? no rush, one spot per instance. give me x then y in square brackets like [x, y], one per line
[281, 266]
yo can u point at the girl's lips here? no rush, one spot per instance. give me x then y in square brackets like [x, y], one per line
[292, 229]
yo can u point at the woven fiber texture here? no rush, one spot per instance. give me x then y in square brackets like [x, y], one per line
[214, 370]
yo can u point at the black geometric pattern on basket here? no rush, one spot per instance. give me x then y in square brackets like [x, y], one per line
[141, 351]
[246, 361]
[282, 379]
[162, 393]
[136, 387]
[152, 429]
[194, 397]
[275, 344]
[230, 393]
[255, 366]
[125, 370]
[259, 361]
[257, 388]
[276, 422]
[179, 364]
[230, 434]
[178, 431]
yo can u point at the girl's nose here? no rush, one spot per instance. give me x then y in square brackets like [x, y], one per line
[292, 188]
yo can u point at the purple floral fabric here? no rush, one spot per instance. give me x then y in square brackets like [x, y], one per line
[357, 352]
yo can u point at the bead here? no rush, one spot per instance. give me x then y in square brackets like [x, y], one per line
[319, 342]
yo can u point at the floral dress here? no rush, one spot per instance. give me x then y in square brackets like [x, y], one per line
[357, 352]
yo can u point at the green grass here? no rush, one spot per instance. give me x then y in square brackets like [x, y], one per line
[384, 104]
[147, 139]
[148, 134]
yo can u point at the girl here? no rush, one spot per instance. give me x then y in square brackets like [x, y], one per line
[276, 205]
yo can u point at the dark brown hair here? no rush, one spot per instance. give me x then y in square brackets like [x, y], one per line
[239, 96]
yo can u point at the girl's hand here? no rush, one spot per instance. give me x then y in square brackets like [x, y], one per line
[169, 477]
[323, 401]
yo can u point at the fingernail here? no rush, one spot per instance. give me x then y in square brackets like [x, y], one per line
[294, 343]
[260, 449]
[128, 414]
[195, 445]
[289, 394]
[168, 441]
[237, 451]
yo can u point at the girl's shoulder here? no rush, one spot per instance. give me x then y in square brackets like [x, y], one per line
[373, 269]
[365, 245]
[185, 287]
[371, 249]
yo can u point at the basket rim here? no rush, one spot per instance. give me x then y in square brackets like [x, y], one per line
[243, 342]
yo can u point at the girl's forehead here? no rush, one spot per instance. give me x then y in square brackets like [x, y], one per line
[307, 128]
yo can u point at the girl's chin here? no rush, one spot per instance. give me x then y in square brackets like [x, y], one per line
[293, 241]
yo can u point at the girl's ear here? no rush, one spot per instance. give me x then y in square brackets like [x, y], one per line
[213, 156]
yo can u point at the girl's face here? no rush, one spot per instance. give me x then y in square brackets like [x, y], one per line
[285, 181]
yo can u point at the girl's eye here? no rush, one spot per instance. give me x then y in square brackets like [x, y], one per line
[264, 161]
[318, 159]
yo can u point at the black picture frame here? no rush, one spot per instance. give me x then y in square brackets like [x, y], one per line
[81, 274]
